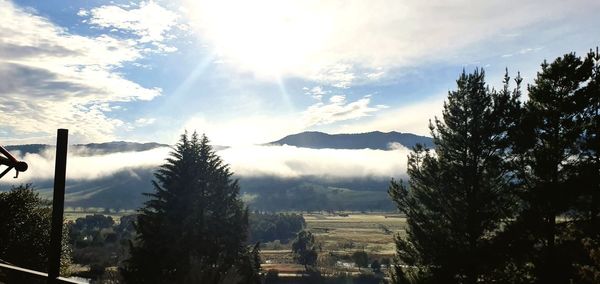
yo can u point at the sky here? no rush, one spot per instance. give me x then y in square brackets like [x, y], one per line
[250, 72]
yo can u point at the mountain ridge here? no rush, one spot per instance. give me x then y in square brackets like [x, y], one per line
[377, 140]
[93, 148]
[368, 140]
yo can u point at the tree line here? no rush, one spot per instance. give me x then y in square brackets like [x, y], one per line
[511, 191]
[265, 227]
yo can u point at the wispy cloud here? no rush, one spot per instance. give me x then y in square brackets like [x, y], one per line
[259, 129]
[140, 122]
[338, 109]
[316, 92]
[52, 78]
[338, 75]
[150, 22]
[343, 43]
[522, 51]
[412, 118]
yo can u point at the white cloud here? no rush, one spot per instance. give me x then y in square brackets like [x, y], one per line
[342, 43]
[413, 118]
[396, 146]
[140, 122]
[337, 110]
[316, 92]
[374, 76]
[87, 167]
[337, 99]
[289, 161]
[283, 161]
[53, 79]
[149, 21]
[338, 75]
[522, 51]
[82, 13]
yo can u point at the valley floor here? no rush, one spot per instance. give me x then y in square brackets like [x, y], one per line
[339, 236]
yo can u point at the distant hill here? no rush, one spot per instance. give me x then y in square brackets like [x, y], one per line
[91, 149]
[124, 190]
[121, 146]
[370, 140]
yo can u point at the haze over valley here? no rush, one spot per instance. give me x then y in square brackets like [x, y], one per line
[341, 171]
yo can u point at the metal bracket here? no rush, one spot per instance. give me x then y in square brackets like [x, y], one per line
[11, 162]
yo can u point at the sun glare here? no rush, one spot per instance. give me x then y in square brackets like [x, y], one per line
[269, 38]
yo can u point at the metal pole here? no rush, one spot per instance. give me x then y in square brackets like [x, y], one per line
[58, 202]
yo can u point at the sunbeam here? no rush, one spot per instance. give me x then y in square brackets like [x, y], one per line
[194, 75]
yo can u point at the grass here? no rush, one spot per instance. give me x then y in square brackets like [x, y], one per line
[340, 236]
[373, 233]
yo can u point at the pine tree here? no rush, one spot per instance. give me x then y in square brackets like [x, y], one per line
[458, 196]
[194, 226]
[589, 149]
[584, 214]
[550, 166]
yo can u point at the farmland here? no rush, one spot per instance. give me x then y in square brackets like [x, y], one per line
[339, 235]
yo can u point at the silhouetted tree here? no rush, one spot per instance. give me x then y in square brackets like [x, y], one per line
[588, 168]
[360, 258]
[588, 202]
[551, 167]
[386, 261]
[250, 265]
[376, 266]
[304, 249]
[87, 230]
[590, 273]
[459, 196]
[193, 228]
[266, 227]
[25, 223]
[272, 276]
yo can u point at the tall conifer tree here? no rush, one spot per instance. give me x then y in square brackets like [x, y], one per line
[589, 149]
[194, 226]
[551, 169]
[458, 196]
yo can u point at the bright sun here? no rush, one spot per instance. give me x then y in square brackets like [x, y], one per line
[269, 38]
